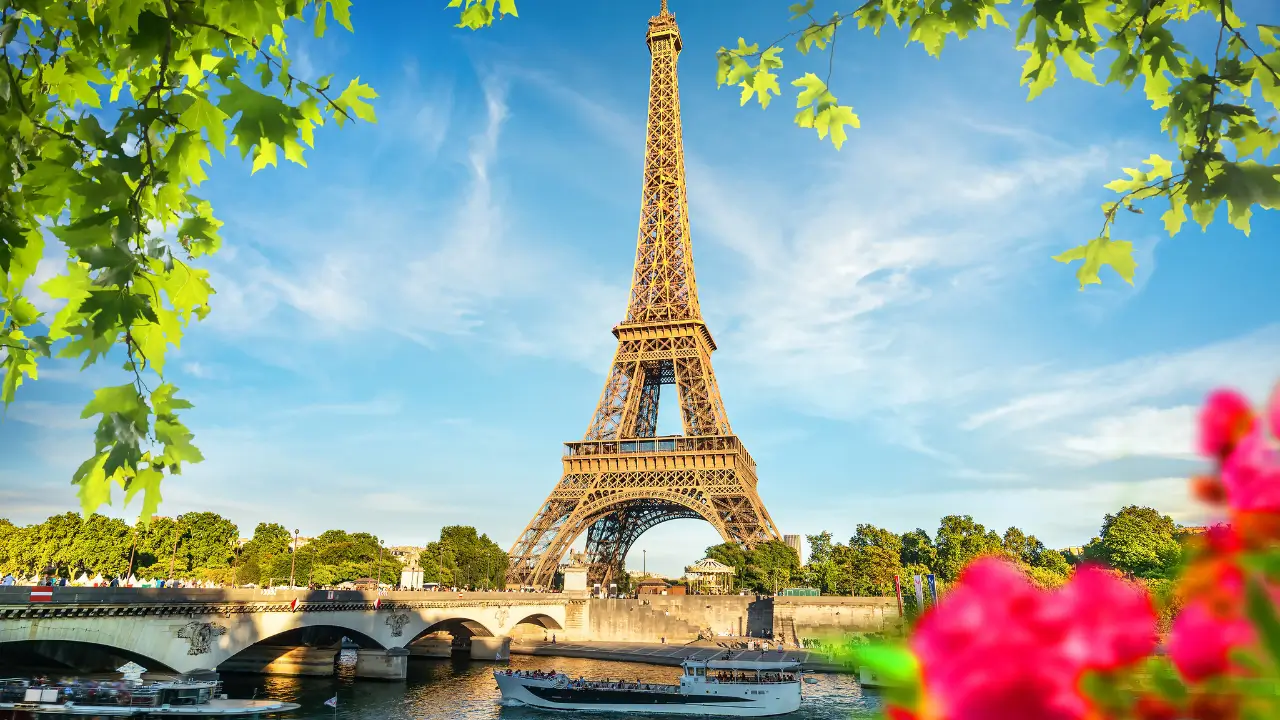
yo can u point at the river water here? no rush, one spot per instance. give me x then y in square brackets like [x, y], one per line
[439, 689]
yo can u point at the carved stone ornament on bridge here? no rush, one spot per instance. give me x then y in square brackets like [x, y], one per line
[501, 614]
[200, 635]
[397, 622]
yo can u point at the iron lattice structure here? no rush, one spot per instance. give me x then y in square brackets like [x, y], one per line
[623, 479]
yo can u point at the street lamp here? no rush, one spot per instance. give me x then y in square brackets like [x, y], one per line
[174, 556]
[644, 563]
[293, 557]
[311, 566]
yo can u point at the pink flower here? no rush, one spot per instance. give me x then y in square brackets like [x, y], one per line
[1200, 642]
[1114, 621]
[1225, 418]
[999, 648]
[1251, 475]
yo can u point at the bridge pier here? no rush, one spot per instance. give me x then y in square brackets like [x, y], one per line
[435, 645]
[389, 664]
[491, 648]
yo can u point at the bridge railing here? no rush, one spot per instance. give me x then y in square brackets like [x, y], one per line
[21, 595]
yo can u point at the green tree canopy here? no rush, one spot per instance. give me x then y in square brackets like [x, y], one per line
[1138, 540]
[768, 567]
[959, 540]
[918, 549]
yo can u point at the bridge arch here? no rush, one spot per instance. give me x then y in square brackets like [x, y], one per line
[76, 655]
[541, 620]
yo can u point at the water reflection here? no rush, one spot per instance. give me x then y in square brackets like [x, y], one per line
[462, 689]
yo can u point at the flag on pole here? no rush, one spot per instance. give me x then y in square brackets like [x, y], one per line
[377, 603]
[897, 589]
[42, 594]
[933, 588]
[332, 702]
[919, 594]
[293, 604]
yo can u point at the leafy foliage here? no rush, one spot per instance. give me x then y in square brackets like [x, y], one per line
[110, 112]
[767, 568]
[461, 558]
[1140, 541]
[1219, 112]
[203, 546]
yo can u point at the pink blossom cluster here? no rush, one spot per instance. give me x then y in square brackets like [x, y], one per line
[1000, 648]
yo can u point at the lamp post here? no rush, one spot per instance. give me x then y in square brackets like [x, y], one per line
[293, 557]
[174, 556]
[644, 563]
[311, 566]
[134, 546]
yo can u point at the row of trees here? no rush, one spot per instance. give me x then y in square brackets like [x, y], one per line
[1136, 540]
[205, 546]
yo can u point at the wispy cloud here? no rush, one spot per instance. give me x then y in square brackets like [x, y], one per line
[48, 415]
[1247, 361]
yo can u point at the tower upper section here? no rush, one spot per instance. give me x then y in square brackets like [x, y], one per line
[663, 288]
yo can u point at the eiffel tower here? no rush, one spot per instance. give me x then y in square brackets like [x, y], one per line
[622, 478]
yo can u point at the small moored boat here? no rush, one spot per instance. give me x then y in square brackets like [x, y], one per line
[185, 698]
[734, 688]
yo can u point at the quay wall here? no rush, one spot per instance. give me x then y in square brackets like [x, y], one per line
[680, 618]
[794, 618]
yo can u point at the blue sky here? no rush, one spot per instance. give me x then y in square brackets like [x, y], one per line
[406, 331]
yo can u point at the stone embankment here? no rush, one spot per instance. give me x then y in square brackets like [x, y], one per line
[683, 618]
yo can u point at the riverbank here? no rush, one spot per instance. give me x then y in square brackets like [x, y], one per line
[671, 654]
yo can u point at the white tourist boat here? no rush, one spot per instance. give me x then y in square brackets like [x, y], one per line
[735, 688]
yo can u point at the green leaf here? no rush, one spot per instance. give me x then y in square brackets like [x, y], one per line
[73, 85]
[21, 310]
[18, 363]
[816, 35]
[1176, 215]
[352, 100]
[1079, 66]
[204, 115]
[121, 400]
[342, 13]
[146, 481]
[800, 9]
[1098, 252]
[94, 487]
[820, 111]
[1262, 613]
[10, 28]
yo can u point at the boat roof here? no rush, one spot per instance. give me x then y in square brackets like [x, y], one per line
[744, 664]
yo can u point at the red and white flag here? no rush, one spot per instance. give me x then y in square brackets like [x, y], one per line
[41, 594]
[293, 604]
[377, 603]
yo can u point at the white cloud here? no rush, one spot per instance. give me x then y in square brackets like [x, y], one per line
[1247, 362]
[198, 370]
[1142, 432]
[48, 415]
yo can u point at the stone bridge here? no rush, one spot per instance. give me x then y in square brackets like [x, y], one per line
[194, 630]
